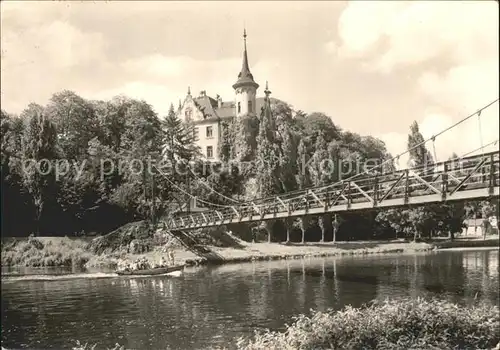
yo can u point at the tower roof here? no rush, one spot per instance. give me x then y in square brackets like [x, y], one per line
[245, 77]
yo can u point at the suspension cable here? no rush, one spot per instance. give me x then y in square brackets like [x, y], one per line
[480, 131]
[202, 181]
[480, 148]
[185, 192]
[478, 112]
[189, 194]
[388, 161]
[414, 147]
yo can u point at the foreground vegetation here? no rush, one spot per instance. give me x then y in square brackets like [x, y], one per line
[408, 324]
[34, 252]
[394, 324]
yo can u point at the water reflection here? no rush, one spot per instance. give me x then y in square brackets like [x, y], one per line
[212, 306]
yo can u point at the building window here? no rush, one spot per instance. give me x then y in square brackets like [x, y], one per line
[188, 113]
[209, 132]
[239, 107]
[210, 152]
[195, 134]
[249, 106]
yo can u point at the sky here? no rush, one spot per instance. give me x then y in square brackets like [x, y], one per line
[373, 67]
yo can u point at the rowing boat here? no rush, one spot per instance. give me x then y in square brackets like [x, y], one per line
[151, 272]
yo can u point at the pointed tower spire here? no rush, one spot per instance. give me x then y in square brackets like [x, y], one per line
[180, 104]
[245, 77]
[189, 90]
[267, 91]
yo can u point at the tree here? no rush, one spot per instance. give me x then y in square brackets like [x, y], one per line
[224, 146]
[112, 120]
[108, 140]
[318, 124]
[6, 142]
[303, 181]
[75, 121]
[178, 138]
[419, 155]
[14, 196]
[396, 219]
[321, 174]
[268, 173]
[287, 138]
[335, 226]
[40, 149]
[222, 183]
[245, 130]
[432, 217]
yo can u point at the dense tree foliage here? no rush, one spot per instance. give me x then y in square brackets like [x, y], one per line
[79, 165]
[431, 219]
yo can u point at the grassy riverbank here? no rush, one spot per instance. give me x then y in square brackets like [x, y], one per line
[469, 242]
[57, 251]
[45, 251]
[276, 251]
[408, 324]
[247, 252]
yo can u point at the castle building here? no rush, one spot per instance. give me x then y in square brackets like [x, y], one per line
[208, 114]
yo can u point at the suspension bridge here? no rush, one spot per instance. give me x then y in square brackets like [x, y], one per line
[470, 177]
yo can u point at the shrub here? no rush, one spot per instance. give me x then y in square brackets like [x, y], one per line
[34, 253]
[403, 324]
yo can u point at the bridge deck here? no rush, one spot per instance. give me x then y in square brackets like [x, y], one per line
[469, 178]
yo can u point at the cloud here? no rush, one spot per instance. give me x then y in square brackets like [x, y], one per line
[462, 87]
[452, 46]
[44, 56]
[183, 68]
[57, 44]
[362, 24]
[159, 65]
[395, 34]
[396, 144]
[163, 80]
[331, 47]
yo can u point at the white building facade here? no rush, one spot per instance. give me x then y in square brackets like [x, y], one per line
[208, 113]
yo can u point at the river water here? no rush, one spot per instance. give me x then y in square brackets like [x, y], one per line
[212, 306]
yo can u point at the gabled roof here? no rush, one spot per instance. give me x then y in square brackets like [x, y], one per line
[206, 105]
[212, 113]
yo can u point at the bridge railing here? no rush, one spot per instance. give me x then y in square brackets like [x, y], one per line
[442, 179]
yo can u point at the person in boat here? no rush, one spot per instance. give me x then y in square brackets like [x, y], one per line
[171, 256]
[145, 263]
[141, 263]
[163, 262]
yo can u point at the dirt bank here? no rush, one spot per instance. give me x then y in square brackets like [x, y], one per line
[468, 242]
[275, 251]
[53, 251]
